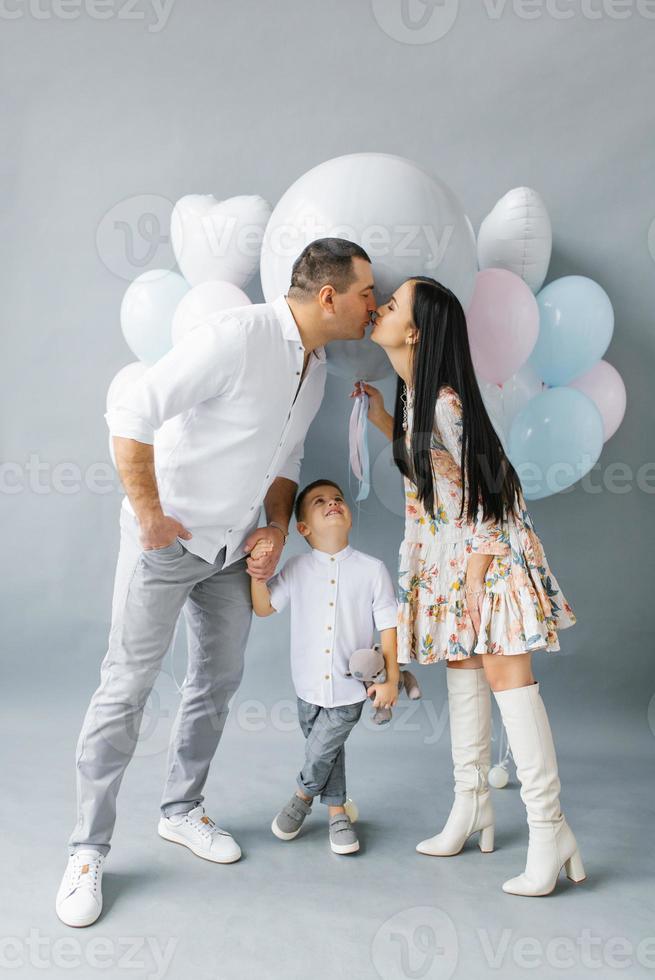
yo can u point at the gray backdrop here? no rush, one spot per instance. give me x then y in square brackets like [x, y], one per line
[106, 118]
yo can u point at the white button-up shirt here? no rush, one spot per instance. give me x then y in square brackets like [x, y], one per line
[337, 602]
[225, 416]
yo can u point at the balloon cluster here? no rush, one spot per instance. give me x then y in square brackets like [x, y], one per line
[537, 351]
[217, 245]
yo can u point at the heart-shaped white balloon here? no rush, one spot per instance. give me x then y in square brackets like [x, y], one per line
[219, 239]
[517, 235]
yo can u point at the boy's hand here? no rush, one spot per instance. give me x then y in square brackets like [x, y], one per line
[262, 548]
[385, 695]
[263, 567]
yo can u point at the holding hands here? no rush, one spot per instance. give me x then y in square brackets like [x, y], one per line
[263, 547]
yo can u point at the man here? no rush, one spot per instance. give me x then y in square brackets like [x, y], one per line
[231, 405]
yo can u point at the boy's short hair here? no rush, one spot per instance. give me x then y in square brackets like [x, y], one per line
[300, 499]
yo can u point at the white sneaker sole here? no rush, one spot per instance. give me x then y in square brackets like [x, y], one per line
[174, 838]
[345, 848]
[284, 835]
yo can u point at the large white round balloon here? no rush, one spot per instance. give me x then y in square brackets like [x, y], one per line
[517, 236]
[218, 239]
[203, 300]
[408, 222]
[147, 312]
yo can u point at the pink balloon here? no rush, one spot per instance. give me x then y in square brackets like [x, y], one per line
[604, 385]
[503, 324]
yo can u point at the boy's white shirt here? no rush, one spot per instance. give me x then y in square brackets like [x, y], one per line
[337, 602]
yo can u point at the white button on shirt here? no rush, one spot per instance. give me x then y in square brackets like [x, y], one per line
[226, 418]
[337, 602]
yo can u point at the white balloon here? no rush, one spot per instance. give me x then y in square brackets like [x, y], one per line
[122, 379]
[408, 222]
[517, 235]
[472, 230]
[147, 312]
[504, 402]
[492, 397]
[498, 777]
[203, 300]
[218, 239]
[517, 392]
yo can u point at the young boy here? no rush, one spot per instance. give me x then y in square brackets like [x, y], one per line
[338, 598]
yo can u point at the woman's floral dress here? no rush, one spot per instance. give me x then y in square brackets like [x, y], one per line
[522, 607]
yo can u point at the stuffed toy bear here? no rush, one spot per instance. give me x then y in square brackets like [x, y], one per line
[367, 665]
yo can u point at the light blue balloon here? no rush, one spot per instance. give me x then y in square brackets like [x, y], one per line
[554, 441]
[576, 322]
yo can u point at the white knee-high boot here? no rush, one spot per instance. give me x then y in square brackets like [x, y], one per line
[469, 706]
[552, 845]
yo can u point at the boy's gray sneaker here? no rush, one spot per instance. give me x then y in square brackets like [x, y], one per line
[289, 820]
[343, 839]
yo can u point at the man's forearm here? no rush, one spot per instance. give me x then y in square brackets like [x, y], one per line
[135, 462]
[278, 502]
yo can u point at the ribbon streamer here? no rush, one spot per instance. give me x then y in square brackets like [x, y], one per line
[358, 442]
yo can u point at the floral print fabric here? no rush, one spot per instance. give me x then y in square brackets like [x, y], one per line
[523, 606]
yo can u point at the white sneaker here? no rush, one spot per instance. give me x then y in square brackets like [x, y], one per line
[79, 899]
[200, 834]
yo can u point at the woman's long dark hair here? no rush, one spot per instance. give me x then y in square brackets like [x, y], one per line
[442, 356]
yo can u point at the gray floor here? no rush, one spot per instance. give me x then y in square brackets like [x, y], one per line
[296, 910]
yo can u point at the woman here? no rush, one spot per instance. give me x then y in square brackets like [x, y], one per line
[475, 586]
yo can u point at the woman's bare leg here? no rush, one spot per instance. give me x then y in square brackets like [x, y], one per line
[473, 662]
[508, 671]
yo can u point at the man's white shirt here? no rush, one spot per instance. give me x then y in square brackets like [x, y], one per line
[337, 602]
[220, 410]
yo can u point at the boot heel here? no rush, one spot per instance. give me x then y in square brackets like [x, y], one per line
[486, 840]
[574, 868]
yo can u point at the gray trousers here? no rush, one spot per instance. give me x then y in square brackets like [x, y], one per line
[151, 589]
[326, 731]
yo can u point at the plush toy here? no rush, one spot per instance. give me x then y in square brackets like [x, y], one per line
[367, 665]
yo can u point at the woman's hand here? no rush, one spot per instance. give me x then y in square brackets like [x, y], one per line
[474, 594]
[385, 695]
[476, 574]
[377, 413]
[376, 410]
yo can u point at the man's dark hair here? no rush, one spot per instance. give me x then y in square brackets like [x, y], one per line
[300, 499]
[327, 261]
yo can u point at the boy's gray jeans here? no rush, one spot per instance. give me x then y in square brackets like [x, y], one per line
[150, 590]
[326, 730]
